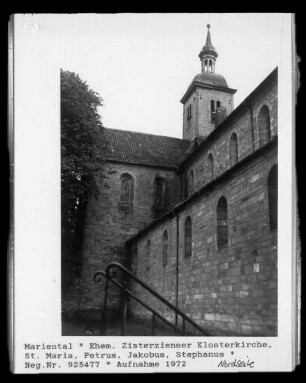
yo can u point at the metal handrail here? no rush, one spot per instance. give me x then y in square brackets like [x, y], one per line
[132, 295]
[108, 276]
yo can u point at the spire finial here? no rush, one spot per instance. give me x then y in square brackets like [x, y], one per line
[208, 38]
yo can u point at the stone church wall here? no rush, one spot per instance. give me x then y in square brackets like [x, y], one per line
[247, 140]
[109, 225]
[233, 289]
[230, 289]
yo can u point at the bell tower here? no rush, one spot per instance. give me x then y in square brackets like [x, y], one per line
[208, 99]
[208, 54]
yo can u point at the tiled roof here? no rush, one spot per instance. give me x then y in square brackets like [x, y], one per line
[142, 149]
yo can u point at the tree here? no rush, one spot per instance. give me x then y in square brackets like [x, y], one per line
[81, 162]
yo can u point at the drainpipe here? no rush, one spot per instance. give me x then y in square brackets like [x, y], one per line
[129, 253]
[177, 264]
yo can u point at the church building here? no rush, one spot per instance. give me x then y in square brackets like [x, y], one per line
[195, 218]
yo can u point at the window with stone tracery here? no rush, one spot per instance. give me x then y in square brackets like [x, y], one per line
[126, 189]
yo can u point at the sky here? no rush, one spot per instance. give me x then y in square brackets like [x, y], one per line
[142, 64]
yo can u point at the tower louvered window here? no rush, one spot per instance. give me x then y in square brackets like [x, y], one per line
[213, 111]
[189, 112]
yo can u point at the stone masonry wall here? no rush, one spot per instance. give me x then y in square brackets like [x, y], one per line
[151, 270]
[200, 123]
[248, 141]
[108, 226]
[205, 126]
[233, 289]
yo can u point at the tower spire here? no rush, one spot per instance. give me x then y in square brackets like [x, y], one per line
[208, 98]
[208, 54]
[208, 38]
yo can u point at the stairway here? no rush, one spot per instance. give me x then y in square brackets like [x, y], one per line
[184, 325]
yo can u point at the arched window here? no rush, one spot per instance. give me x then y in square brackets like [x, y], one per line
[126, 189]
[222, 223]
[160, 187]
[264, 125]
[190, 183]
[272, 195]
[148, 255]
[188, 237]
[165, 248]
[210, 167]
[233, 149]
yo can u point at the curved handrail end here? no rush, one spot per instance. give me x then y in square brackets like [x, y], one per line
[98, 276]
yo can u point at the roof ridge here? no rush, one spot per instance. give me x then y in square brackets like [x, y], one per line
[146, 134]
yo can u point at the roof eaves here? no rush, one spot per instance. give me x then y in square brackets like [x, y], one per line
[138, 163]
[205, 86]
